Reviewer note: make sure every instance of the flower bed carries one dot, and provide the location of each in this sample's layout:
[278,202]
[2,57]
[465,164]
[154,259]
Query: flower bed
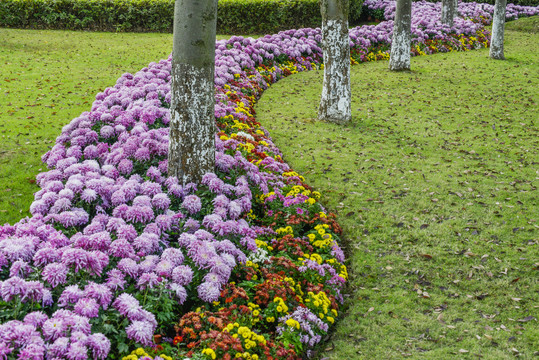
[119,258]
[385,9]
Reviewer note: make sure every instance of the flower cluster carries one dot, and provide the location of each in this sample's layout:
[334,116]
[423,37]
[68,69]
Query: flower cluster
[118,256]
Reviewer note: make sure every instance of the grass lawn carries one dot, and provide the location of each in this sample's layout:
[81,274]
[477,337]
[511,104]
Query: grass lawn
[434,181]
[435,184]
[46,79]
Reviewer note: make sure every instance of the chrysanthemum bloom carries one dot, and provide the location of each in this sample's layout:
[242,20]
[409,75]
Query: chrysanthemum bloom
[128,306]
[54,328]
[33,292]
[14,287]
[35,318]
[18,248]
[77,258]
[141,332]
[99,344]
[116,279]
[87,307]
[107,132]
[127,232]
[150,188]
[70,295]
[121,248]
[20,269]
[139,214]
[125,167]
[191,225]
[180,292]
[99,292]
[182,275]
[173,255]
[209,291]
[234,209]
[164,222]
[146,243]
[164,268]
[192,204]
[59,347]
[147,281]
[89,195]
[77,351]
[161,201]
[129,267]
[32,351]
[142,200]
[148,264]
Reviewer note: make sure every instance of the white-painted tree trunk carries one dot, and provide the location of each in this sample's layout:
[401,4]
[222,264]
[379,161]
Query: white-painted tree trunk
[449,11]
[402,38]
[336,99]
[498,28]
[192,126]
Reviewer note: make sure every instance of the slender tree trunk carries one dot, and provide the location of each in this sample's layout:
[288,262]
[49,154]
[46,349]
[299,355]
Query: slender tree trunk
[498,27]
[449,11]
[335,103]
[192,126]
[402,38]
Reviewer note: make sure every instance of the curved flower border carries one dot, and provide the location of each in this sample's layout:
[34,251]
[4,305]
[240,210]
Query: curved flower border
[246,265]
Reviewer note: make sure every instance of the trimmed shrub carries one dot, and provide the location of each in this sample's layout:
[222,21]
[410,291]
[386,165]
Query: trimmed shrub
[234,16]
[101,15]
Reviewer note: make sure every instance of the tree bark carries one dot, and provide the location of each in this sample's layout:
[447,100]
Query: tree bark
[336,99]
[449,11]
[402,38]
[498,28]
[192,126]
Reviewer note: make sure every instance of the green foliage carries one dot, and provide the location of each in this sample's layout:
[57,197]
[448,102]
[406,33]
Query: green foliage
[234,16]
[103,15]
[264,16]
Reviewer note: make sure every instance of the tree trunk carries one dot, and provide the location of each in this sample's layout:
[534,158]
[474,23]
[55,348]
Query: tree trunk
[192,126]
[335,103]
[498,27]
[402,38]
[449,11]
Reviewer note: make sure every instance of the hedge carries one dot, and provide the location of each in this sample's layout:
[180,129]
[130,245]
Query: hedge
[234,16]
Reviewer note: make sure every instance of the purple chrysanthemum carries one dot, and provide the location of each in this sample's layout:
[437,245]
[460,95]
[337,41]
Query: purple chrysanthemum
[147,281]
[209,291]
[100,345]
[192,204]
[141,332]
[128,306]
[182,275]
[87,307]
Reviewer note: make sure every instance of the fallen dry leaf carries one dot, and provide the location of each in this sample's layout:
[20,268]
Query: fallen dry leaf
[527,318]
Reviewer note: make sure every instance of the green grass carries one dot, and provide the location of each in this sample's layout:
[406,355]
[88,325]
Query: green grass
[435,185]
[47,78]
[530,25]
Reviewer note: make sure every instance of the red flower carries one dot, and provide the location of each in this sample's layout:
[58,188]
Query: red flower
[177,340]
